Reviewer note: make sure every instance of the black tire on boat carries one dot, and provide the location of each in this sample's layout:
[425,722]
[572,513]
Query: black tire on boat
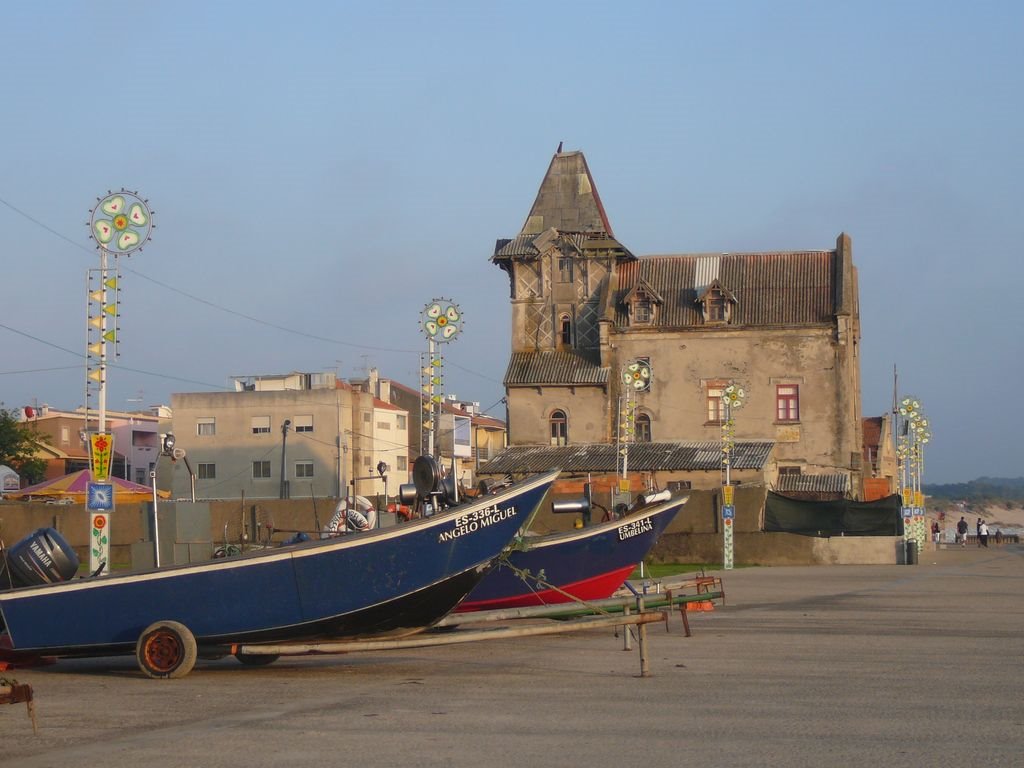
[257,659]
[166,650]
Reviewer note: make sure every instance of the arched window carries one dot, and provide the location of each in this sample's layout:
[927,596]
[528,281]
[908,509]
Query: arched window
[565,330]
[559,428]
[643,428]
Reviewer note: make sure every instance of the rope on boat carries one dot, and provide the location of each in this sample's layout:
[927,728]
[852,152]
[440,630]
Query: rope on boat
[539,579]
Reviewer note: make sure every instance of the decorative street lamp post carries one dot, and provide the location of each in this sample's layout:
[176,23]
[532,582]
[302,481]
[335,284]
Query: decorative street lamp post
[636,379]
[121,224]
[732,399]
[913,434]
[441,322]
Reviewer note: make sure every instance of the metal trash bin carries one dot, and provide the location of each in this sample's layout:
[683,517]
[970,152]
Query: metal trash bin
[911,553]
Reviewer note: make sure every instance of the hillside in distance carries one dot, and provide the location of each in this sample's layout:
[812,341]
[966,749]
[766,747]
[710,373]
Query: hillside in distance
[982,490]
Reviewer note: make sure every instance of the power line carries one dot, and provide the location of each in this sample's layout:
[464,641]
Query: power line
[214,305]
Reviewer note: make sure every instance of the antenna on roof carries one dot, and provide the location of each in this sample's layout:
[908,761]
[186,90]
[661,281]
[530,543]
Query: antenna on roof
[559,150]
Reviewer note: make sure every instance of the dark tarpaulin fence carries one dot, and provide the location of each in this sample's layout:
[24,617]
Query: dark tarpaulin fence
[833,518]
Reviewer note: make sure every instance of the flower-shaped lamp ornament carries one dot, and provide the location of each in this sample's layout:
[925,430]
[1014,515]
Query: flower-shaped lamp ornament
[637,375]
[121,223]
[441,320]
[909,407]
[732,396]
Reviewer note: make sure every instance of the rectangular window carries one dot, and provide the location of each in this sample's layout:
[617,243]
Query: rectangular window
[678,485]
[716,309]
[564,269]
[401,463]
[559,428]
[789,471]
[383,425]
[260,470]
[261,425]
[206,471]
[787,401]
[206,426]
[366,418]
[715,409]
[140,476]
[303,423]
[642,428]
[401,421]
[642,311]
[303,469]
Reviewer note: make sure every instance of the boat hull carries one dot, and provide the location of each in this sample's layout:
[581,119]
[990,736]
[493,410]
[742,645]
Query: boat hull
[393,580]
[588,564]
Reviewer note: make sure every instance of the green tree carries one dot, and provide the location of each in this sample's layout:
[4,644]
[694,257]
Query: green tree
[18,445]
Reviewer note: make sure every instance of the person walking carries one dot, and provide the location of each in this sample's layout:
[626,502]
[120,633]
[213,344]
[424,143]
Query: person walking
[935,531]
[961,532]
[983,534]
[977,533]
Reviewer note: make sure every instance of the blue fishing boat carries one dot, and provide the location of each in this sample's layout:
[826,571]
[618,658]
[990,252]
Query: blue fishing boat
[386,582]
[589,563]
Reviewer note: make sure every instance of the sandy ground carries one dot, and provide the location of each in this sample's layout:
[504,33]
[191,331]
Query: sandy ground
[803,667]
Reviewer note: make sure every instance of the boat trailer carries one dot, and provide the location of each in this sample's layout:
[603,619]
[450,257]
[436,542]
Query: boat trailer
[453,635]
[638,609]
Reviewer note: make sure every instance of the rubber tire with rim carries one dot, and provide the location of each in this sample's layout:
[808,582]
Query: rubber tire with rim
[166,650]
[256,659]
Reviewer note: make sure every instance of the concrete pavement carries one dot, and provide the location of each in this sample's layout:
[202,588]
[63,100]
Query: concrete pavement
[805,666]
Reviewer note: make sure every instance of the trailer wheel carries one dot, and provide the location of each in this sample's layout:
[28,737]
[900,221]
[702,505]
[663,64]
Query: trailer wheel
[166,650]
[256,659]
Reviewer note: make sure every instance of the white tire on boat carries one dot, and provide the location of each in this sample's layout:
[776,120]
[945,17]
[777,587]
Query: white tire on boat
[166,650]
[360,516]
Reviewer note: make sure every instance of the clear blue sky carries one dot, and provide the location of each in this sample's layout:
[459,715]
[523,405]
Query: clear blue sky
[328,168]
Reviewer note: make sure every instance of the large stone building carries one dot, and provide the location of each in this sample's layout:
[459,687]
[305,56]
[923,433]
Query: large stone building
[784,326]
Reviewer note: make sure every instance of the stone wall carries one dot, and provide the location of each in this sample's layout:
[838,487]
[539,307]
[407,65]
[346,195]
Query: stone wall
[129,522]
[694,536]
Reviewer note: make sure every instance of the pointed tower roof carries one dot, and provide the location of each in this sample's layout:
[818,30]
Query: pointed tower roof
[567,199]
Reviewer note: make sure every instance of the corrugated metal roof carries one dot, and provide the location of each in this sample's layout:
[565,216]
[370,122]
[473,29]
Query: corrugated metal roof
[525,245]
[770,288]
[555,367]
[643,457]
[813,483]
[521,245]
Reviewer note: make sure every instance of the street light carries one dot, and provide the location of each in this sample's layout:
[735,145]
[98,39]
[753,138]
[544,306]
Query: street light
[284,439]
[732,398]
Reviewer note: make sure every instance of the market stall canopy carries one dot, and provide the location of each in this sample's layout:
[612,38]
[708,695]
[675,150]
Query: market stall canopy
[76,486]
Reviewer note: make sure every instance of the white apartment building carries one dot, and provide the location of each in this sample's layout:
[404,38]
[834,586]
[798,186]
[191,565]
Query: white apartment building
[297,435]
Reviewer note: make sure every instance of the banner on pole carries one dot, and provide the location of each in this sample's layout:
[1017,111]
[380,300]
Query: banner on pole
[99,545]
[101,455]
[727,494]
